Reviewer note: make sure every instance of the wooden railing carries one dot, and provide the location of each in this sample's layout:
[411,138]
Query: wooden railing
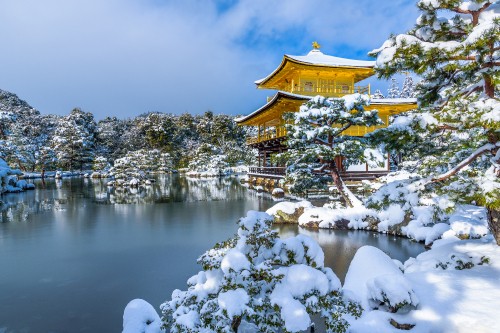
[277,171]
[346,175]
[330,90]
[277,132]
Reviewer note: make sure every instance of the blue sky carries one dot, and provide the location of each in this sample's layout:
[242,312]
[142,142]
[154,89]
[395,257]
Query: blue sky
[126,57]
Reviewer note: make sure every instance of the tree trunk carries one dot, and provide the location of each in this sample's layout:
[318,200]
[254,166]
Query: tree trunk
[345,193]
[494,223]
[489,86]
[236,324]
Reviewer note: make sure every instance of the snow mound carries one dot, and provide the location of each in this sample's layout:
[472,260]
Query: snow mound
[140,317]
[374,276]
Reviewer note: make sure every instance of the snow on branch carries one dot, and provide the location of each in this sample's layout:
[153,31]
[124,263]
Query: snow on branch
[489,147]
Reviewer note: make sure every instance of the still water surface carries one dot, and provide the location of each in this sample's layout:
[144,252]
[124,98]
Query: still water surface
[73,254]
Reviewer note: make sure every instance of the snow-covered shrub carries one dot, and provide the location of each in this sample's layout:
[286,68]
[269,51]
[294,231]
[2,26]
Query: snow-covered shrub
[24,185]
[408,198]
[100,164]
[137,163]
[393,291]
[8,178]
[259,280]
[208,161]
[451,255]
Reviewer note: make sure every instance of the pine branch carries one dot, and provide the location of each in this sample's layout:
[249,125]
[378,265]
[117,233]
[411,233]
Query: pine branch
[474,13]
[489,147]
[321,142]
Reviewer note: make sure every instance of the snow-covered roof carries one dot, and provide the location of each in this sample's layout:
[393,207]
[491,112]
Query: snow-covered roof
[271,102]
[281,94]
[394,101]
[317,58]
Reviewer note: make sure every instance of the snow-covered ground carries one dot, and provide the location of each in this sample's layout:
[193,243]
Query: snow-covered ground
[454,287]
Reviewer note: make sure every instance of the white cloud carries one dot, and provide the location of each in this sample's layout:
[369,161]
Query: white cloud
[125,57]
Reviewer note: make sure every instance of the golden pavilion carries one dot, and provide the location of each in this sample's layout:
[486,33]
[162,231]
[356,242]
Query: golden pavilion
[296,80]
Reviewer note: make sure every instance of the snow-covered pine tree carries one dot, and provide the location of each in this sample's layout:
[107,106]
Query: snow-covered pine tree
[408,90]
[31,135]
[109,138]
[377,94]
[261,283]
[315,140]
[455,48]
[393,91]
[74,140]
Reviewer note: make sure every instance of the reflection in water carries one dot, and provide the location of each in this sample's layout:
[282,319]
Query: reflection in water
[55,194]
[170,189]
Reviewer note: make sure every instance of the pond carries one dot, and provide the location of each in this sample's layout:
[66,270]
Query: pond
[73,253]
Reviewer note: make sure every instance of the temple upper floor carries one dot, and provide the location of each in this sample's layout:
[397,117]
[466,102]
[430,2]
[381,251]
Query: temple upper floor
[319,74]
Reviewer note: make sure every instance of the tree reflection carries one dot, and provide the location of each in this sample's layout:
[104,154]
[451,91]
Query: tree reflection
[60,194]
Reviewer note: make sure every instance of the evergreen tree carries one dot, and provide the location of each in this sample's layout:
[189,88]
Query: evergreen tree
[109,134]
[315,140]
[74,140]
[259,282]
[378,94]
[455,135]
[32,135]
[393,91]
[408,90]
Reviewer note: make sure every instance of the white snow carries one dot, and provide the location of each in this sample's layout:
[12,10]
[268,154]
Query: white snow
[368,263]
[394,214]
[456,287]
[140,317]
[325,217]
[469,220]
[288,207]
[277,191]
[316,57]
[234,260]
[233,301]
[298,281]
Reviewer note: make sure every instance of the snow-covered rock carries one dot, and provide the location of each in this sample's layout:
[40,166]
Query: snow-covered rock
[96,174]
[278,193]
[288,212]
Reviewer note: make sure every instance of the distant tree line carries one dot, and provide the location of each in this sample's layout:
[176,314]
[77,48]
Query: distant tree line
[32,141]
